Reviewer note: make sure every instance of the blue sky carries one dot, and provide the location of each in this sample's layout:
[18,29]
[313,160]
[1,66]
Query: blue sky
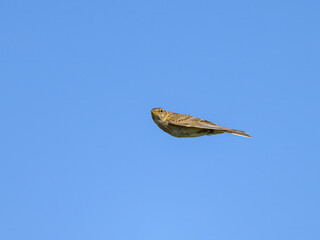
[81,157]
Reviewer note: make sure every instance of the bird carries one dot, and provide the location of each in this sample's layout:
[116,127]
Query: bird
[186,126]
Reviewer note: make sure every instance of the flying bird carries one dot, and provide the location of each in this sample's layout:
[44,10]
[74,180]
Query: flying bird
[183,126]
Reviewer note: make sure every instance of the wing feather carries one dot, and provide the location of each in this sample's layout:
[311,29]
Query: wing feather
[190,121]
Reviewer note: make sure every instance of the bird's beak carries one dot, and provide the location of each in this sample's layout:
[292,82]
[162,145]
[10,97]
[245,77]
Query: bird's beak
[154,112]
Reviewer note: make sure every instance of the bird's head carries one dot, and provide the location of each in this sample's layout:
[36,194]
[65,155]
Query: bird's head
[159,114]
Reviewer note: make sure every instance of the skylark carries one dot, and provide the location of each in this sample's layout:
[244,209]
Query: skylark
[182,125]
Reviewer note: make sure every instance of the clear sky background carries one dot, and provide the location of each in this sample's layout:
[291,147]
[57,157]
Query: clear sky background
[81,157]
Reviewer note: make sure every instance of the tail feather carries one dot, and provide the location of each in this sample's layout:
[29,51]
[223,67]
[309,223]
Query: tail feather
[236,132]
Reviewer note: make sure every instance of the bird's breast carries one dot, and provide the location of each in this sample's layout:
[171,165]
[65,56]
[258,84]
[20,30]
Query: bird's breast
[185,132]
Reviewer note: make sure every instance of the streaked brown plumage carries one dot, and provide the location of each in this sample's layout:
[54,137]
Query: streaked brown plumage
[182,125]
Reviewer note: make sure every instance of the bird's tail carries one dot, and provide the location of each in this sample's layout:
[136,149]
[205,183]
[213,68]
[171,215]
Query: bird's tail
[236,132]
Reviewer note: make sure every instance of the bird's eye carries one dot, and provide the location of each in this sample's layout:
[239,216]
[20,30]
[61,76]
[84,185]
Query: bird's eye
[161,110]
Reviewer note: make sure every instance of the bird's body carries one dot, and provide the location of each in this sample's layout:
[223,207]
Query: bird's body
[182,125]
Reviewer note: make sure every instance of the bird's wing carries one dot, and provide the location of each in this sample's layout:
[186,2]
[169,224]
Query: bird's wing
[190,121]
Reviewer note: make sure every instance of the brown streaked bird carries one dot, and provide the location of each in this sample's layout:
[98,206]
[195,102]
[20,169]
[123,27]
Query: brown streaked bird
[183,126]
